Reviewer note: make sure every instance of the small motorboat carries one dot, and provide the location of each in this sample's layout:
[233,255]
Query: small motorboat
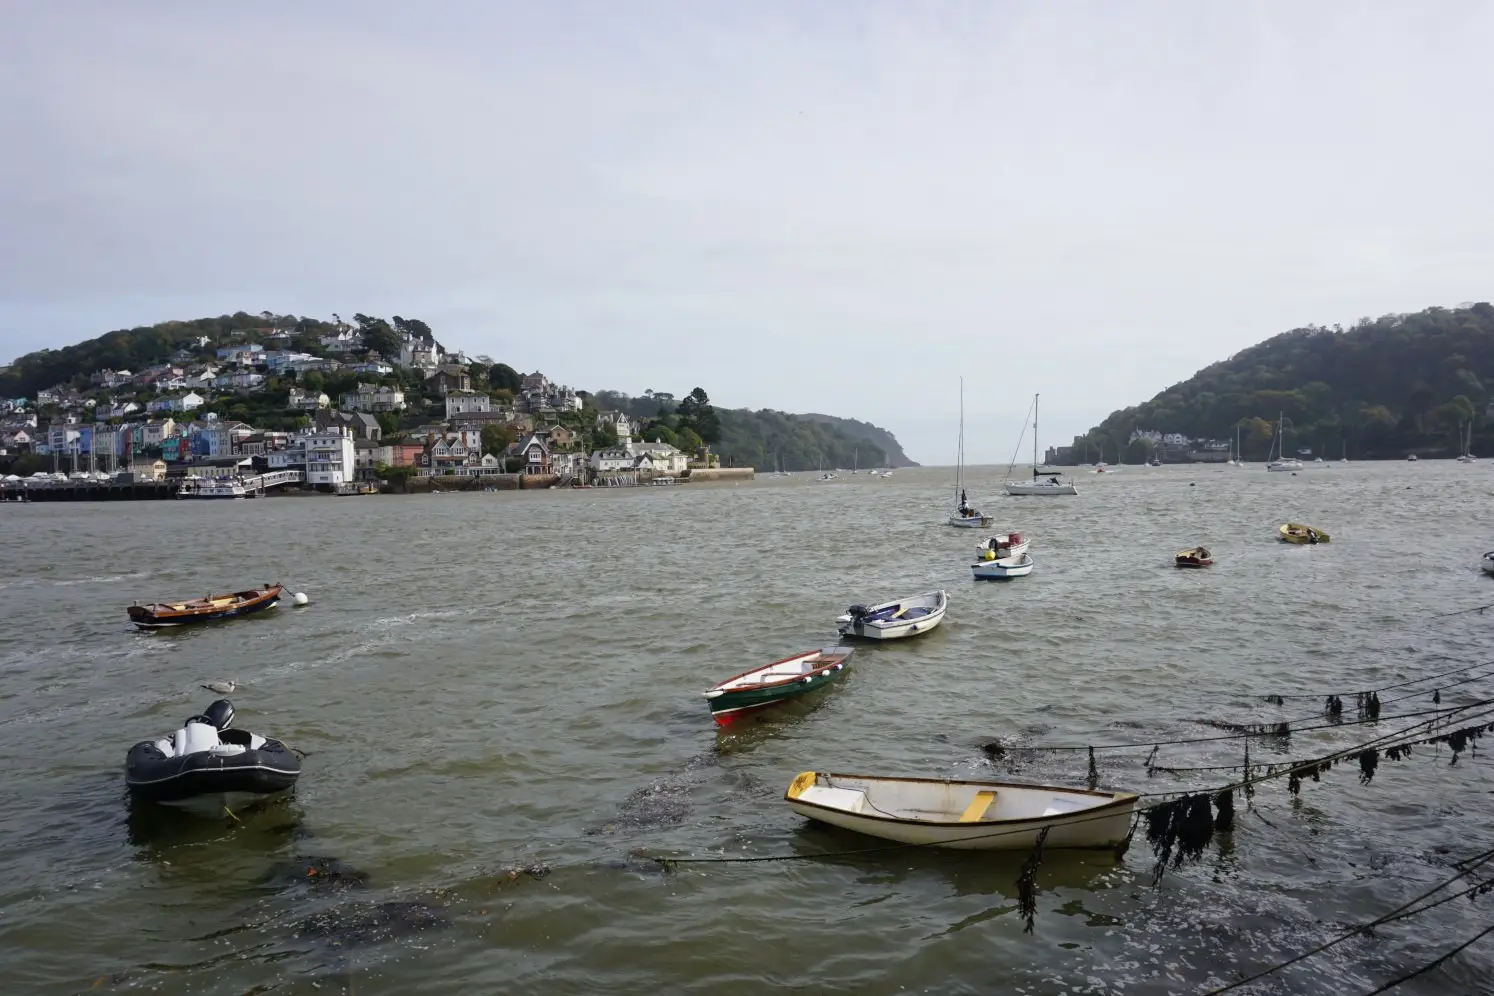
[1002,546]
[1296,532]
[773,683]
[1486,564]
[209,609]
[893,620]
[1002,570]
[1196,557]
[998,816]
[207,766]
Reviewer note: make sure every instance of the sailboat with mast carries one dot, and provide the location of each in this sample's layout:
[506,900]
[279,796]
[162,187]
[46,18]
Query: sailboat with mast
[964,516]
[1041,484]
[1467,455]
[1282,461]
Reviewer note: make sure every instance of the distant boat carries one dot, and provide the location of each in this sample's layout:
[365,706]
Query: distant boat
[1196,557]
[211,608]
[986,816]
[1278,446]
[964,515]
[895,620]
[1467,455]
[771,684]
[1054,485]
[1486,564]
[1002,570]
[1411,457]
[1296,532]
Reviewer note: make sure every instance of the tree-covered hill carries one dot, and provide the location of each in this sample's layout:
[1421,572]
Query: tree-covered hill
[1383,388]
[876,435]
[768,439]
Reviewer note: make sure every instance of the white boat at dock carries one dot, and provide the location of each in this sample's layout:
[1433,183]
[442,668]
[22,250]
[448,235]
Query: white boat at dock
[996,816]
[895,620]
[213,488]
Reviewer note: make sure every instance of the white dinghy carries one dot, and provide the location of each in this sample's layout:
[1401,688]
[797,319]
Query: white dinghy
[1001,570]
[894,620]
[996,816]
[1001,546]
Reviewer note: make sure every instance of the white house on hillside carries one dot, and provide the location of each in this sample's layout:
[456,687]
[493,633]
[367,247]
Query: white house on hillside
[466,402]
[307,401]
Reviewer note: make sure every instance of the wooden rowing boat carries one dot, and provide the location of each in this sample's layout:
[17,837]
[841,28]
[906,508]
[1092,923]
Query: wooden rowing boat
[773,683]
[1000,816]
[211,608]
[1296,532]
[1196,557]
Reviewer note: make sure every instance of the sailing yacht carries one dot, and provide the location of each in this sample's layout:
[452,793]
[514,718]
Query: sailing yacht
[1467,455]
[1282,461]
[964,516]
[1053,484]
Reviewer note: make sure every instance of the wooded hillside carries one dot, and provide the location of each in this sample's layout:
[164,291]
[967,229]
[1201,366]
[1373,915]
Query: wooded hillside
[1382,388]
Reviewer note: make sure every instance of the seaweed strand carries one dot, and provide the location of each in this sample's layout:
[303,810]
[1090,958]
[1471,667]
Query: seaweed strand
[1027,882]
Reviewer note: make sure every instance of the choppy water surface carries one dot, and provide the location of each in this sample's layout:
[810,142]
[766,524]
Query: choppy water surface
[499,694]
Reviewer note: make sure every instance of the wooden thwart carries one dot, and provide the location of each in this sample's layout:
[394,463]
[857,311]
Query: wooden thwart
[977,807]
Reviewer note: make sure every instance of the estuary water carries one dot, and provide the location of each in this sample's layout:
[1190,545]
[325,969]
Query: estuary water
[499,696]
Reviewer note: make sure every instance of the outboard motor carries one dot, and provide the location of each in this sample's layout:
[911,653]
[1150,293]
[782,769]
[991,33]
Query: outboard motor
[858,616]
[219,715]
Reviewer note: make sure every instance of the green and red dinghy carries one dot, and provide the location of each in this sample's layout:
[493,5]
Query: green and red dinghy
[773,683]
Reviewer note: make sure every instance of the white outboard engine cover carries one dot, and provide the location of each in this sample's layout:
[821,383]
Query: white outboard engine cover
[194,737]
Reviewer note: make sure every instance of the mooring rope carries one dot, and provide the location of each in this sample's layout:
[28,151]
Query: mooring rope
[1401,912]
[1159,797]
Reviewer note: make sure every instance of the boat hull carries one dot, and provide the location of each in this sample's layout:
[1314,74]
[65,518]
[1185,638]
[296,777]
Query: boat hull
[970,522]
[1041,490]
[733,700]
[1300,535]
[850,625]
[1103,823]
[205,779]
[1002,570]
[163,615]
[1487,563]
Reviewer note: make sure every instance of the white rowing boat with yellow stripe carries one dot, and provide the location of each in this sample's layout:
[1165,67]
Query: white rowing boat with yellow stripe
[997,816]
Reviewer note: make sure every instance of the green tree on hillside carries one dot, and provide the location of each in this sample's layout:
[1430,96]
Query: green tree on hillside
[501,376]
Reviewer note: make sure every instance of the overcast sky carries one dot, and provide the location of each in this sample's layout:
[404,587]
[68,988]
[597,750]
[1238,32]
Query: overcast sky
[838,207]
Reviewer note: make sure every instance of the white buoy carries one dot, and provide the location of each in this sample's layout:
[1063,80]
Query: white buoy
[300,598]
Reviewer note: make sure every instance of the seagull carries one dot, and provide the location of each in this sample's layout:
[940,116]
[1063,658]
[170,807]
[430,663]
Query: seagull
[221,687]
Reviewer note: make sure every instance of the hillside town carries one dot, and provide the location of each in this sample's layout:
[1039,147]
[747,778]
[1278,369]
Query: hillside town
[416,412]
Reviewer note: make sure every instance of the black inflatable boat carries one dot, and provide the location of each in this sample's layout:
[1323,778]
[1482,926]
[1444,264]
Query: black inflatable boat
[206,765]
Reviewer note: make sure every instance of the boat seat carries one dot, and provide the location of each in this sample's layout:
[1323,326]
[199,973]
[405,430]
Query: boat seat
[977,809]
[846,800]
[1057,806]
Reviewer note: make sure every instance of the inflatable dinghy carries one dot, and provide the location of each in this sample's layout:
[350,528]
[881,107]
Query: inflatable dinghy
[206,765]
